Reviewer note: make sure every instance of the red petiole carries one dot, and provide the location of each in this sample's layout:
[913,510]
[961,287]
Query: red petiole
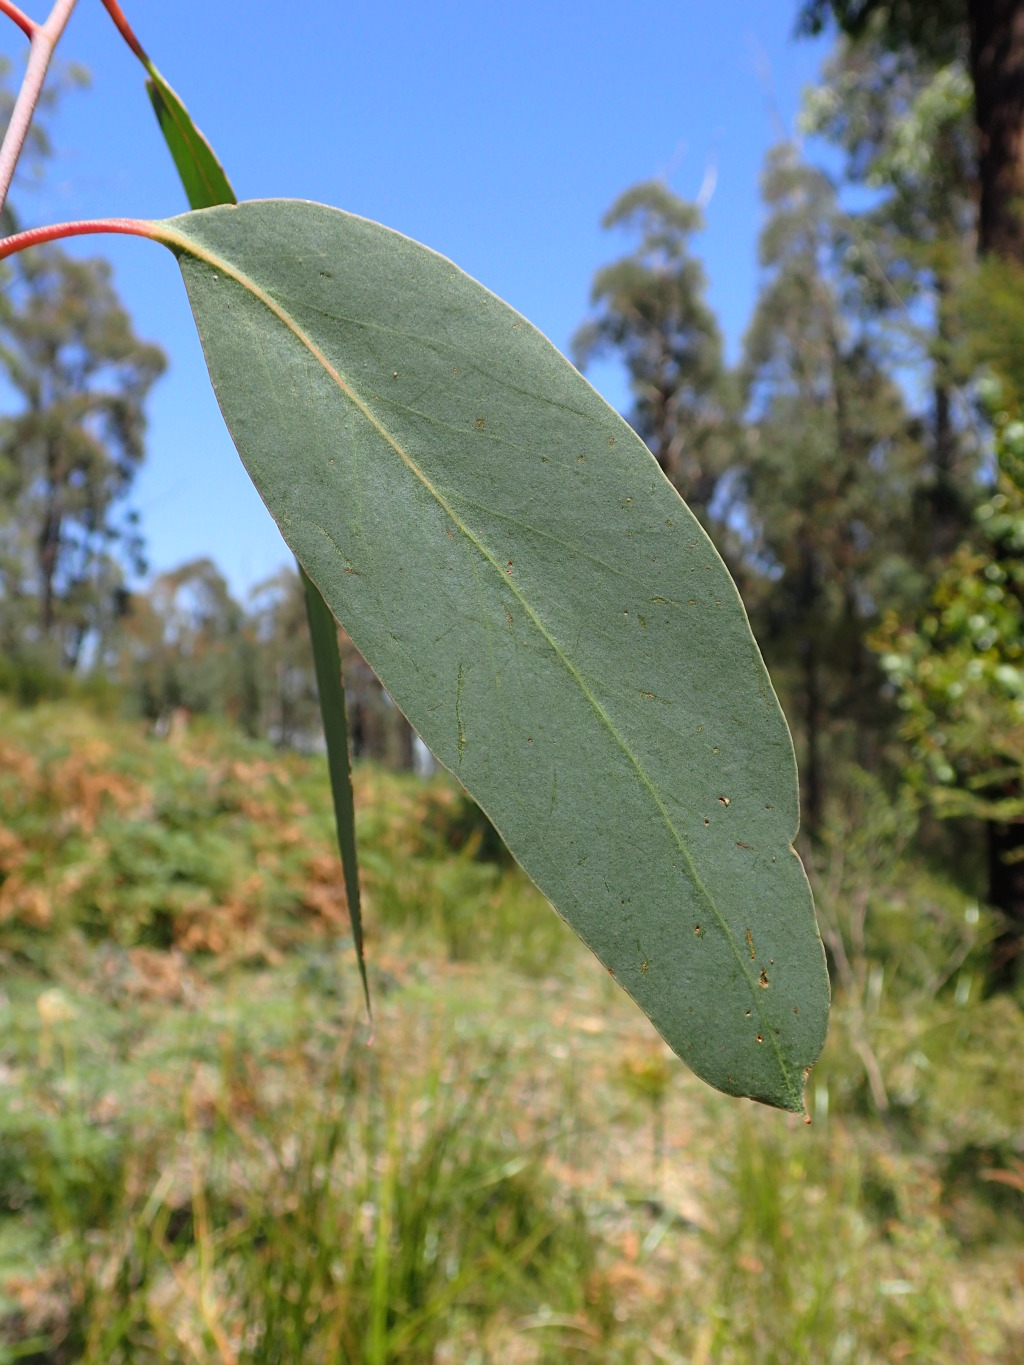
[58,232]
[28,26]
[125,29]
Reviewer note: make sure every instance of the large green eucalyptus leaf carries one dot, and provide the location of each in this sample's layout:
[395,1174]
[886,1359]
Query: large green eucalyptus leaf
[206,185]
[534,595]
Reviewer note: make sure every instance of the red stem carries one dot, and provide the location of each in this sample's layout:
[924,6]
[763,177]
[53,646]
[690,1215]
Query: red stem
[57,232]
[45,38]
[125,30]
[28,26]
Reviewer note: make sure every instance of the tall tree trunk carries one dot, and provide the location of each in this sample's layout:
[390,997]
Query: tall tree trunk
[49,548]
[948,515]
[997,72]
[812,786]
[48,545]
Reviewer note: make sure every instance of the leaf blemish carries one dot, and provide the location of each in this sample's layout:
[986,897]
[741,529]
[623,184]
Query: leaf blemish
[480,423]
[750,945]
[763,979]
[724,800]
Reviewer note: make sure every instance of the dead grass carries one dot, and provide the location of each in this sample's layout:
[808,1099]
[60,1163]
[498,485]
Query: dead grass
[203,1159]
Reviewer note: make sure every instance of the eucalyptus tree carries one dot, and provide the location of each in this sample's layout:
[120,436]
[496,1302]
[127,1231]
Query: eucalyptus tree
[829,475]
[70,452]
[186,643]
[955,663]
[905,128]
[649,310]
[987,36]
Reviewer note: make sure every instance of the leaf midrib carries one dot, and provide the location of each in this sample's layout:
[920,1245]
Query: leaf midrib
[177,241]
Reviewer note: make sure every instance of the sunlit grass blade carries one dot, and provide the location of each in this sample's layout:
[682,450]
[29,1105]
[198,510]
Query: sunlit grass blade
[330,683]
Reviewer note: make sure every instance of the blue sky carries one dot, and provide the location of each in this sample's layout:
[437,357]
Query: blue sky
[495,133]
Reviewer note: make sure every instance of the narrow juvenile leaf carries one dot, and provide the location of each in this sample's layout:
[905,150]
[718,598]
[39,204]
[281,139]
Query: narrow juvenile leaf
[324,633]
[509,558]
[201,173]
[206,186]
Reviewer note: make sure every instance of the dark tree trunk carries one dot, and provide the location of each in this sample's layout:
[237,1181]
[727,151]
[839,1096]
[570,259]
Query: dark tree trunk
[946,513]
[997,72]
[404,737]
[1006,892]
[812,788]
[48,545]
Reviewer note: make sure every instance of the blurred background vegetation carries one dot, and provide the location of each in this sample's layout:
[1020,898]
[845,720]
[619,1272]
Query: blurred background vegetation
[200,1157]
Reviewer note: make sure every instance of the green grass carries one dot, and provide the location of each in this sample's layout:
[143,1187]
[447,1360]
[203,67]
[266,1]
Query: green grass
[203,1158]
